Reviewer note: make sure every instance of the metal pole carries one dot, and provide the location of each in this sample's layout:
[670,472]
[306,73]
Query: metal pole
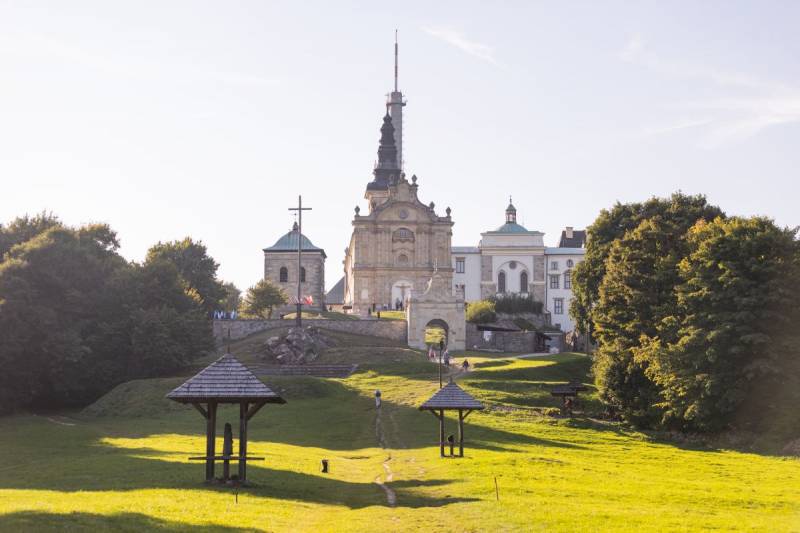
[299,319]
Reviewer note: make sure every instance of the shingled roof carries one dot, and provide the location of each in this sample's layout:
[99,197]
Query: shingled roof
[224,380]
[451,396]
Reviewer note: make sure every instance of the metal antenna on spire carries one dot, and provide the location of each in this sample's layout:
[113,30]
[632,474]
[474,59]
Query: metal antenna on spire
[395,60]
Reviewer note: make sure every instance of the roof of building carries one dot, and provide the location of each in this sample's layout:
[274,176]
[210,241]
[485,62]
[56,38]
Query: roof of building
[288,243]
[465,249]
[578,239]
[565,251]
[451,396]
[224,380]
[511,227]
[335,296]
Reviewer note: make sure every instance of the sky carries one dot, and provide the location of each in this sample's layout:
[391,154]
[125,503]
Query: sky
[171,118]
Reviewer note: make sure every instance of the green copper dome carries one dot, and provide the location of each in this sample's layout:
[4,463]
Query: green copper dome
[288,243]
[511,227]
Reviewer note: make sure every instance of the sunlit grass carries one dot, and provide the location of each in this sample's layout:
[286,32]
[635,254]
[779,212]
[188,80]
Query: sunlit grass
[126,472]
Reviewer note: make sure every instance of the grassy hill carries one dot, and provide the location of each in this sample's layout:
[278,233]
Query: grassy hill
[121,464]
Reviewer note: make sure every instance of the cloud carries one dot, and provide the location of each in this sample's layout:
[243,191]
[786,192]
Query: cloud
[456,38]
[747,105]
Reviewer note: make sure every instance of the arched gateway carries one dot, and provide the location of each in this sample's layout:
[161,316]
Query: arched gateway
[437,306]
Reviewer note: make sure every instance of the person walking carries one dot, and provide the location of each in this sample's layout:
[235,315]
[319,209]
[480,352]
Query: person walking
[465,366]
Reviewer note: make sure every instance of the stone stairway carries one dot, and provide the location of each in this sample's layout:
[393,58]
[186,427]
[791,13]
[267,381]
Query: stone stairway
[320,371]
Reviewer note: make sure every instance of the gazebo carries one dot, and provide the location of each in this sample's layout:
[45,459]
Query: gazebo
[226,380]
[451,397]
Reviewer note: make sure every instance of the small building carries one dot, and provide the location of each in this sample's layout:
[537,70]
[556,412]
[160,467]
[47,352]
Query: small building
[280,267]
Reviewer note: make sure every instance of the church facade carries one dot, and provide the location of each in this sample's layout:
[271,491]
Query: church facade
[396,246]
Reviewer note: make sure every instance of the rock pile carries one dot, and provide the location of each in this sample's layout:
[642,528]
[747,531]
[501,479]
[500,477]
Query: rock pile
[298,346]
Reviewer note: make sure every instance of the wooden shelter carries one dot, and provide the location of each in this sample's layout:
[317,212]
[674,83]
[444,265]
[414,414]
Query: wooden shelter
[226,380]
[451,397]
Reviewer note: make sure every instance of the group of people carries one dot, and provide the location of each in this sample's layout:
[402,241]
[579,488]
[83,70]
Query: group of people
[445,357]
[224,315]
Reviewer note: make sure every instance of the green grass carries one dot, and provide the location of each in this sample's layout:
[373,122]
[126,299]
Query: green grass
[122,463]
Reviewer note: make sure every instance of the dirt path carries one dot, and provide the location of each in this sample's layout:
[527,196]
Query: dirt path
[388,475]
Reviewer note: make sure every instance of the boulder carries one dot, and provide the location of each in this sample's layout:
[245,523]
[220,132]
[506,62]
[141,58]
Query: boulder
[298,346]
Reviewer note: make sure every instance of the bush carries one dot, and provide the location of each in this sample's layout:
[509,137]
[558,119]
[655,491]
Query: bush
[481,312]
[517,303]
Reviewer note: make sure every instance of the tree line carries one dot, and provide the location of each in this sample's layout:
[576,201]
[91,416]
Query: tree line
[694,313]
[76,318]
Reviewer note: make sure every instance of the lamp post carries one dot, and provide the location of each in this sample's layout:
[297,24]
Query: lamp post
[441,350]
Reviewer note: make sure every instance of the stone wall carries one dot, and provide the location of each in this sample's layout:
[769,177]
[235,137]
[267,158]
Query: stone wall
[504,341]
[389,329]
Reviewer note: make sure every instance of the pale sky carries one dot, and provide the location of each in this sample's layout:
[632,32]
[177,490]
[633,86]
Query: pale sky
[174,118]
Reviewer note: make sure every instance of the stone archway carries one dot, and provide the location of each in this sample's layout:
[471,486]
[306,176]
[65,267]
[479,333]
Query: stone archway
[436,330]
[437,305]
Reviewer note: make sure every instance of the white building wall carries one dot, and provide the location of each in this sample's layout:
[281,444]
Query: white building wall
[471,277]
[560,256]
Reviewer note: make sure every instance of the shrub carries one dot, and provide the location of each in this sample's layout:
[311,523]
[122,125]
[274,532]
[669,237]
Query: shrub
[517,303]
[481,312]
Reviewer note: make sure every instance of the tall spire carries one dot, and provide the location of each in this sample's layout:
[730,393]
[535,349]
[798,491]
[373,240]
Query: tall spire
[395,104]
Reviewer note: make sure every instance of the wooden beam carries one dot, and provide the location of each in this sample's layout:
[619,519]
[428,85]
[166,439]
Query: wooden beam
[467,414]
[461,433]
[211,435]
[254,409]
[441,432]
[200,409]
[434,413]
[243,442]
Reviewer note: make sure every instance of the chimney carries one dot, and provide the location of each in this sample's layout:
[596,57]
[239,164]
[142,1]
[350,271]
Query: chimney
[569,232]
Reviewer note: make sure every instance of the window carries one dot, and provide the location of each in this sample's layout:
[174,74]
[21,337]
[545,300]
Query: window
[284,275]
[554,265]
[459,265]
[403,234]
[501,282]
[554,281]
[402,259]
[558,306]
[568,279]
[570,263]
[523,282]
[302,274]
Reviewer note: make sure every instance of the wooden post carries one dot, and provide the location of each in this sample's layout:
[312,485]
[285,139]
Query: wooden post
[460,433]
[441,432]
[211,435]
[242,442]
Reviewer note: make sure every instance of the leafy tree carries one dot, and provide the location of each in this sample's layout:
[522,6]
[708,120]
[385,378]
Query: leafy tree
[610,226]
[195,266]
[25,228]
[736,318]
[635,280]
[516,303]
[481,312]
[262,298]
[232,299]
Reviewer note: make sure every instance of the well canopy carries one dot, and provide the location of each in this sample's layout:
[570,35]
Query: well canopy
[226,380]
[451,396]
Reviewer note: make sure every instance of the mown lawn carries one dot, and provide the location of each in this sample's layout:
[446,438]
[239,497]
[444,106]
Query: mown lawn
[122,465]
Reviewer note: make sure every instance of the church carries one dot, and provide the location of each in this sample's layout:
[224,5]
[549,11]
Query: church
[398,244]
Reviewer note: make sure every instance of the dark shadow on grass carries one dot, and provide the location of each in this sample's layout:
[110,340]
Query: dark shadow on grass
[42,521]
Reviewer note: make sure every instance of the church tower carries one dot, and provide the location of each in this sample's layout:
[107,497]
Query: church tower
[397,246]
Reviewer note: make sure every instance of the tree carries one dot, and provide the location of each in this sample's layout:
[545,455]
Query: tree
[232,299]
[625,291]
[24,228]
[262,298]
[736,318]
[195,266]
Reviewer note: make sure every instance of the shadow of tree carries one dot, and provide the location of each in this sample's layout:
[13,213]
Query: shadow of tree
[41,521]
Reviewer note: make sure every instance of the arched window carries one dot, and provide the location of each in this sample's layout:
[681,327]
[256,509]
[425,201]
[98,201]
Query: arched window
[284,275]
[302,274]
[570,264]
[402,259]
[403,234]
[568,279]
[501,282]
[523,282]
